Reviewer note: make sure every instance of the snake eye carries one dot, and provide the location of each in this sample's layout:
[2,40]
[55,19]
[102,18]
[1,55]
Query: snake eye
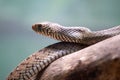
[37,27]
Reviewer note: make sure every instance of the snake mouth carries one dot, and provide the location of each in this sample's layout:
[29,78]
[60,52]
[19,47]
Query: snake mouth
[34,27]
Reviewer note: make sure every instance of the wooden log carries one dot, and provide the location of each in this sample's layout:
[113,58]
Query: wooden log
[100,61]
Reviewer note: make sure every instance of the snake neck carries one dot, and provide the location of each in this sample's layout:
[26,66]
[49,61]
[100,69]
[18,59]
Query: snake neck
[108,32]
[86,36]
[98,36]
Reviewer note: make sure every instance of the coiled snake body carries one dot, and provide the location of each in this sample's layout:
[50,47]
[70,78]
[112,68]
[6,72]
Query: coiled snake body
[72,38]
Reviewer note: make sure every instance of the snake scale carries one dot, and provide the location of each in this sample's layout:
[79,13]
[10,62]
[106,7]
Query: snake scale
[72,39]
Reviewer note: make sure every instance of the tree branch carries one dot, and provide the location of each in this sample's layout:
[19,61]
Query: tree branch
[97,62]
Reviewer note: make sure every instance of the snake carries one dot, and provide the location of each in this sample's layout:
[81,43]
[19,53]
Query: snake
[72,39]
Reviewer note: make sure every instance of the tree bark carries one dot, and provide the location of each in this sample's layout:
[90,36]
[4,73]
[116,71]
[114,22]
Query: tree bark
[100,61]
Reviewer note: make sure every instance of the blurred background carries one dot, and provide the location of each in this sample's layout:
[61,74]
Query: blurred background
[18,40]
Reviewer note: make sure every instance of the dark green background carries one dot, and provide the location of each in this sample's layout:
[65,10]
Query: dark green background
[17,40]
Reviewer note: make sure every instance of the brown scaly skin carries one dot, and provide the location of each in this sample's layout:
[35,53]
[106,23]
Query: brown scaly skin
[27,69]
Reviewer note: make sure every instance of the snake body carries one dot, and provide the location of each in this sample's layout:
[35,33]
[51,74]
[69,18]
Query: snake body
[30,67]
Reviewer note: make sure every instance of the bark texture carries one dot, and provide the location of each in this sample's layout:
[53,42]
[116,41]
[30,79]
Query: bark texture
[100,61]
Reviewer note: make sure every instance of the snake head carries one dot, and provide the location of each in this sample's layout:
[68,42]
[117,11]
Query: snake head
[46,28]
[56,31]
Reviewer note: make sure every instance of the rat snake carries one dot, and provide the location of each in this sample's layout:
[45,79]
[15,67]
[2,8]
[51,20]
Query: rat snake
[73,39]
